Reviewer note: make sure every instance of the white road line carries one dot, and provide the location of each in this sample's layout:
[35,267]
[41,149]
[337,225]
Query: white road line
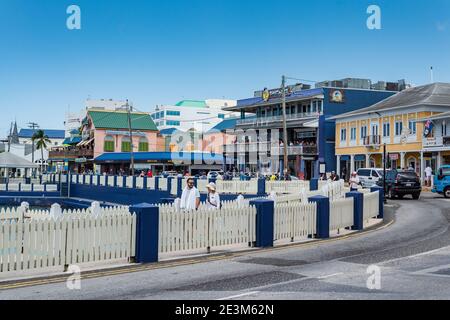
[330,276]
[417,255]
[239,296]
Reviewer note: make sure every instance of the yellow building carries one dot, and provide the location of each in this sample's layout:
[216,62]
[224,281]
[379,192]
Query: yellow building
[397,122]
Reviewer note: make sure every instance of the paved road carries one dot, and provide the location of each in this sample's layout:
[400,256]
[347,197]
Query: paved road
[413,256]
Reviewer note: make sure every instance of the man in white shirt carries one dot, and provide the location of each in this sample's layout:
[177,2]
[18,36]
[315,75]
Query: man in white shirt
[428,175]
[190,199]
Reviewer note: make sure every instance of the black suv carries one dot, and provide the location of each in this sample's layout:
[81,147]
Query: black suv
[400,183]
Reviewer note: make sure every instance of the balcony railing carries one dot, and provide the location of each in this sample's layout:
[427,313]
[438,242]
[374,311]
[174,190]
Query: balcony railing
[262,121]
[372,141]
[71,153]
[273,148]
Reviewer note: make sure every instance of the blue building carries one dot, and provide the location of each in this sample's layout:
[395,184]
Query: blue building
[310,133]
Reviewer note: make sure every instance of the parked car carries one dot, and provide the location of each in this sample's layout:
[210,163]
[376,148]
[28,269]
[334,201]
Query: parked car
[368,177]
[442,181]
[400,183]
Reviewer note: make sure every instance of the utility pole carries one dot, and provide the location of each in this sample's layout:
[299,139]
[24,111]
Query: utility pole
[33,126]
[10,137]
[130,130]
[285,149]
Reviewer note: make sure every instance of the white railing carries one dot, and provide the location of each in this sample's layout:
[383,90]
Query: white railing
[163,184]
[237,186]
[120,180]
[103,180]
[205,229]
[286,186]
[341,214]
[371,205]
[70,239]
[140,183]
[174,187]
[151,183]
[294,220]
[129,182]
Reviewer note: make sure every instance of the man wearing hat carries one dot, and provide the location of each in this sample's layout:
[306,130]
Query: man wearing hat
[213,198]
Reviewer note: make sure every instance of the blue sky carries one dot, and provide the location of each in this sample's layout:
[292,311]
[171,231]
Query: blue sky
[159,52]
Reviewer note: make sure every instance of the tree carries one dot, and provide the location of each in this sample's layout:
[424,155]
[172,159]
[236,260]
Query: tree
[41,140]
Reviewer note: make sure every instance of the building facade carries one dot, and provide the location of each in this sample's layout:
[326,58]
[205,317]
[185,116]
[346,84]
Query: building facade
[436,140]
[397,122]
[310,135]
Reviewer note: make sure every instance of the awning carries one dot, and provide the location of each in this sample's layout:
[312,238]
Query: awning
[360,158]
[85,142]
[162,157]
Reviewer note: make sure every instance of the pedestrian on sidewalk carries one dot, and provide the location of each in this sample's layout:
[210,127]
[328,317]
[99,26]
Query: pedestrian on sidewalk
[354,182]
[213,197]
[190,198]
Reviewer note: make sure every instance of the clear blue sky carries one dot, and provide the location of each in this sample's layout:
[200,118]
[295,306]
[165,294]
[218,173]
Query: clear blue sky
[159,52]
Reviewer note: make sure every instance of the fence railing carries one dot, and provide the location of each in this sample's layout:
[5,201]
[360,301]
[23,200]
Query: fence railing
[294,220]
[205,228]
[28,187]
[371,206]
[341,214]
[74,237]
[286,186]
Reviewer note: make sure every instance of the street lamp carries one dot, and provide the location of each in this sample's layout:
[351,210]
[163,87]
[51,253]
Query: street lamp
[384,160]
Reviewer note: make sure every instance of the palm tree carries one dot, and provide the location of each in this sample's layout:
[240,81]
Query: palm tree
[41,140]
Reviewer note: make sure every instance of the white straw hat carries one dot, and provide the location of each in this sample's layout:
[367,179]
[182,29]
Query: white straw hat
[211,186]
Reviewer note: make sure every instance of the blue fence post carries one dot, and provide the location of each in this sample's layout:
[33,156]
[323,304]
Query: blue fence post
[20,186]
[179,187]
[7,185]
[145,183]
[45,187]
[381,200]
[147,232]
[98,180]
[169,183]
[314,184]
[323,216]
[156,183]
[264,222]
[134,182]
[40,179]
[124,181]
[261,186]
[115,181]
[32,187]
[358,209]
[196,182]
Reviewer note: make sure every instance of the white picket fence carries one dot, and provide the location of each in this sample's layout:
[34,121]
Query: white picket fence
[286,186]
[71,239]
[28,187]
[295,220]
[204,228]
[163,184]
[341,214]
[371,205]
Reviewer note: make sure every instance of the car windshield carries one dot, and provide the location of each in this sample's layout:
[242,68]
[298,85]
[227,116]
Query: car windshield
[408,173]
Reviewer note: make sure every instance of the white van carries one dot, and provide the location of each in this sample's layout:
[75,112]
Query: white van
[368,177]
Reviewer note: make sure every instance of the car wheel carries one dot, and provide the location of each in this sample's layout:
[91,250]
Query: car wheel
[447,192]
[416,196]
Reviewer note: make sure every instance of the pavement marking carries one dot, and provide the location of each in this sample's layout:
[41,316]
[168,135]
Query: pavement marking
[239,296]
[144,268]
[417,255]
[330,276]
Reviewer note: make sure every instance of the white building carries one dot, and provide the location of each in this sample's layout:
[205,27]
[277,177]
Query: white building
[200,115]
[104,104]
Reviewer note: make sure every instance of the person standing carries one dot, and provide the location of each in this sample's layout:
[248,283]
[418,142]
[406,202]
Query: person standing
[190,198]
[428,176]
[213,198]
[354,182]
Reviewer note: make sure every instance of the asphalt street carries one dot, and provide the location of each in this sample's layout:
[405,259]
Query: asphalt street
[413,257]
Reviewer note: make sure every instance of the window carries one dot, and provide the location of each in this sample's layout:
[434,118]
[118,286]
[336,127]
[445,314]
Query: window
[444,128]
[161,114]
[173,123]
[363,132]
[398,128]
[374,129]
[353,134]
[174,113]
[109,144]
[386,129]
[343,134]
[221,116]
[412,127]
[143,144]
[126,144]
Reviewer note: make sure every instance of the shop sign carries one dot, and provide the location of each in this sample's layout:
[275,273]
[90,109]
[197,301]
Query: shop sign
[394,156]
[81,160]
[429,142]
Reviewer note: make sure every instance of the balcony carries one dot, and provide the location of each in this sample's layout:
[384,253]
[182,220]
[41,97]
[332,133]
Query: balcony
[266,121]
[372,141]
[71,153]
[273,148]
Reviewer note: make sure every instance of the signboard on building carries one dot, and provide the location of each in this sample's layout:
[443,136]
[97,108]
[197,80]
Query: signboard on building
[80,160]
[337,96]
[394,156]
[429,142]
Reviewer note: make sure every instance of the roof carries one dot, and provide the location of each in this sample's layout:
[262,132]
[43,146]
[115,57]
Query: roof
[52,134]
[192,103]
[437,94]
[9,160]
[161,156]
[224,125]
[119,120]
[259,101]
[169,131]
[72,141]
